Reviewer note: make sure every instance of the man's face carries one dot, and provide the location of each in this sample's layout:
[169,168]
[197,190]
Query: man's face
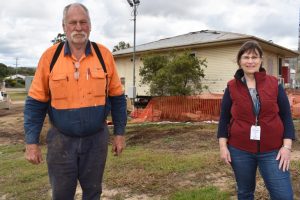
[77,25]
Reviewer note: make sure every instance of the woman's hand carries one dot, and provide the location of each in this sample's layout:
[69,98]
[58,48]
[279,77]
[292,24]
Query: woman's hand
[225,155]
[224,152]
[284,157]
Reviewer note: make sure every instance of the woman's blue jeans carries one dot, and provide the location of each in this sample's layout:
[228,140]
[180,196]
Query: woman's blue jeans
[244,165]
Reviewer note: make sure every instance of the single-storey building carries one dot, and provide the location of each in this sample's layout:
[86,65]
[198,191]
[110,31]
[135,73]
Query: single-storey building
[217,47]
[16,76]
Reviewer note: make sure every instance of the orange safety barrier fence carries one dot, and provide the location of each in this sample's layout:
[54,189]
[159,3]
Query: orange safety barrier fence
[294,99]
[195,108]
[180,108]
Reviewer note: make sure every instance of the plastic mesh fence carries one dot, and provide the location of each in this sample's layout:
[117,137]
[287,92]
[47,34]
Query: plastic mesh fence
[195,108]
[180,108]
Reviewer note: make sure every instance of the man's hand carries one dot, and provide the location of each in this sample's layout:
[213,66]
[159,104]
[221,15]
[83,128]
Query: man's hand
[118,144]
[33,154]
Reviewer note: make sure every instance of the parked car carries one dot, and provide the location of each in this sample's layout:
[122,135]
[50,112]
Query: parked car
[4,100]
[1,96]
[141,101]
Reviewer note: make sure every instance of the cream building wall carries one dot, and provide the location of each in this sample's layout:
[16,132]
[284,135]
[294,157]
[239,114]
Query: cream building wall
[221,66]
[270,63]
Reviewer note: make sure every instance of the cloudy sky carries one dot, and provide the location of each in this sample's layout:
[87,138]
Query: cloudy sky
[28,26]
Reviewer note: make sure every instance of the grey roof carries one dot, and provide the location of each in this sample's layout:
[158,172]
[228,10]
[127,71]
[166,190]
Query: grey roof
[203,36]
[193,38]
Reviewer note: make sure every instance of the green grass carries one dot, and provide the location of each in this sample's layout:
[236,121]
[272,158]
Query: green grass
[153,171]
[17,96]
[206,193]
[20,179]
[161,162]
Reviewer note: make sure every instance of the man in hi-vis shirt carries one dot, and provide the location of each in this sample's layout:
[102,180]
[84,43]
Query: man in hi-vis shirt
[78,92]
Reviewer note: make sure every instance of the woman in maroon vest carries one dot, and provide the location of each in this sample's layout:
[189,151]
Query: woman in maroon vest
[256,129]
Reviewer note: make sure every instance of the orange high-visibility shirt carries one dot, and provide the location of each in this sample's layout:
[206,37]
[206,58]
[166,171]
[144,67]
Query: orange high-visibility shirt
[67,92]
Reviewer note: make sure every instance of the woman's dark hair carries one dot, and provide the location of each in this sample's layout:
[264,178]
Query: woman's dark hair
[250,46]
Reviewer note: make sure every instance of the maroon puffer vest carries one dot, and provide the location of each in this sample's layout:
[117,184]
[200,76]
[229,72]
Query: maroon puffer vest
[243,116]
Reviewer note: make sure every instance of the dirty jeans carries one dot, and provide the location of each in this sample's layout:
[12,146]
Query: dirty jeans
[76,158]
[245,164]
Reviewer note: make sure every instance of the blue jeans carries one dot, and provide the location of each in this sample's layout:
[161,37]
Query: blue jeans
[76,158]
[244,165]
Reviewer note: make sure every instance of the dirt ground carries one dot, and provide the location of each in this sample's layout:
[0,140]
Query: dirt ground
[12,132]
[11,124]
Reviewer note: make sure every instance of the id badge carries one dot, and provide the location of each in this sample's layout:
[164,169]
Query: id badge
[255,133]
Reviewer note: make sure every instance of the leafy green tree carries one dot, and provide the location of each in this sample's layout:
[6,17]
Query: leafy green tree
[26,71]
[121,45]
[11,71]
[61,37]
[173,75]
[10,83]
[153,73]
[185,73]
[3,71]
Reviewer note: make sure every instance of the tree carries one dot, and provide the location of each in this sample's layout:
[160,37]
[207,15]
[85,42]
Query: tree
[153,73]
[173,75]
[61,37]
[3,71]
[121,45]
[26,71]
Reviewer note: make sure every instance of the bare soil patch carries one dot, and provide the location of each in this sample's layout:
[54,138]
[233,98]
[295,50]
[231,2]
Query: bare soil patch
[11,125]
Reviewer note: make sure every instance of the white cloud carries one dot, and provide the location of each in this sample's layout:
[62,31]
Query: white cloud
[27,27]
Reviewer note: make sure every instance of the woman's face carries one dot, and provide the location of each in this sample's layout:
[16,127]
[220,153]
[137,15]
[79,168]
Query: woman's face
[250,62]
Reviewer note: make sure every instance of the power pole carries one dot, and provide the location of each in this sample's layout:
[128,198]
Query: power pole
[299,32]
[17,65]
[133,4]
[297,76]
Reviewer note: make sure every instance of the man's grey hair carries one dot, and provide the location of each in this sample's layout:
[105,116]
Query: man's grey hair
[66,9]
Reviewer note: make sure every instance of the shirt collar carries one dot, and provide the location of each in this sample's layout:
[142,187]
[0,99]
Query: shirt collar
[88,49]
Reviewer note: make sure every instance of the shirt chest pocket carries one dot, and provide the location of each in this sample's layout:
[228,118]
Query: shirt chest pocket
[98,81]
[58,86]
